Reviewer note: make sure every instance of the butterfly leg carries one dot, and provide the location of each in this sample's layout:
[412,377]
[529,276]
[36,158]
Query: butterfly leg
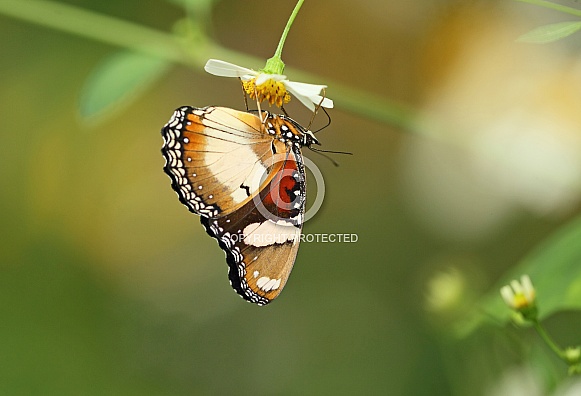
[262,120]
[317,110]
[244,93]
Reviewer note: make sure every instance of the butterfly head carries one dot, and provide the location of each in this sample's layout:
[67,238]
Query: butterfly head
[309,138]
[289,131]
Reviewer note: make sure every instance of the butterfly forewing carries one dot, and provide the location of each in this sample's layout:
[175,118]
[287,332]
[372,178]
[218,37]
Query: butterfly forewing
[214,157]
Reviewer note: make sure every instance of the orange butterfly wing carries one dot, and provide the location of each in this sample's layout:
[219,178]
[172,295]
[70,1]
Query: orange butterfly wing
[247,186]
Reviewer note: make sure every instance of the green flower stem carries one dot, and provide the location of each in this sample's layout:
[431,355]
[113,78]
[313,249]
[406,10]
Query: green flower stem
[278,52]
[275,65]
[94,26]
[129,35]
[553,6]
[545,336]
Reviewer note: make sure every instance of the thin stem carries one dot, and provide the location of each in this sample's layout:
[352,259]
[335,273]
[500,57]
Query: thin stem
[545,336]
[553,6]
[129,35]
[278,52]
[95,26]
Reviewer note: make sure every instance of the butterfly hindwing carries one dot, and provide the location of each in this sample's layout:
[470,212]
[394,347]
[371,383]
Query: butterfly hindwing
[262,238]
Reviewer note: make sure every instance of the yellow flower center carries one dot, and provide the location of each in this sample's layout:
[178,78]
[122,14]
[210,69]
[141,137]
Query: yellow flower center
[521,301]
[271,90]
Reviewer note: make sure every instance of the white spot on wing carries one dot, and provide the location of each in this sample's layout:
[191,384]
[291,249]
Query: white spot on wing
[233,163]
[266,284]
[270,232]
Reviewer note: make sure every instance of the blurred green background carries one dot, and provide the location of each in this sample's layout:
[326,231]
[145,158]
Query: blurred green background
[108,286]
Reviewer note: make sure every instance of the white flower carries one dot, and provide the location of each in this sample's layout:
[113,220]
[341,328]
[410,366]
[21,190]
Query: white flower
[446,291]
[274,88]
[519,295]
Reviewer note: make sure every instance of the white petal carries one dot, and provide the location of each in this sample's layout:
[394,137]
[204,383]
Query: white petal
[529,290]
[516,286]
[302,98]
[526,282]
[264,77]
[308,94]
[507,295]
[225,69]
[328,103]
[304,88]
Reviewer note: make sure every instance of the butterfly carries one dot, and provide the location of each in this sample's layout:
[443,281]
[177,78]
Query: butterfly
[244,174]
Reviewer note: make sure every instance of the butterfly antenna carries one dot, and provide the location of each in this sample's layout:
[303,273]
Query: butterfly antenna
[328,121]
[244,93]
[323,153]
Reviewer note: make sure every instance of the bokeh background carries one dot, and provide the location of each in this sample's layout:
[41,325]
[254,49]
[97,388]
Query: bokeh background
[109,286]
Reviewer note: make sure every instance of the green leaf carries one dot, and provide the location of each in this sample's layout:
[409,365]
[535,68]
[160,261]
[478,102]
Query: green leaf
[555,270]
[118,81]
[550,33]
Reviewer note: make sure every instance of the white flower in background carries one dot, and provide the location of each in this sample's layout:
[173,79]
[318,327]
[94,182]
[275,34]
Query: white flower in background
[569,387]
[518,381]
[519,295]
[508,115]
[274,88]
[446,291]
